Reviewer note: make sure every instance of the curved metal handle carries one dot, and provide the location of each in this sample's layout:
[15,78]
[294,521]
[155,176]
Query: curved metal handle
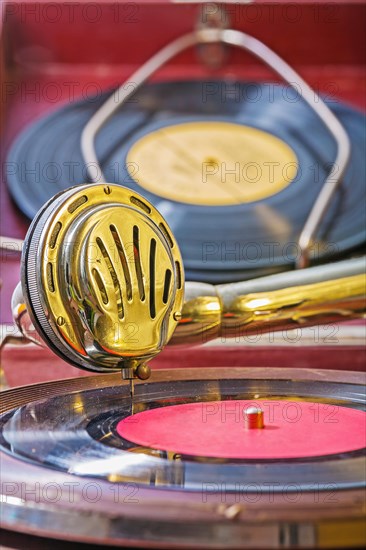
[274,61]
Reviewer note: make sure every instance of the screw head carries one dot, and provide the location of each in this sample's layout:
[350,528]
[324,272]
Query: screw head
[107,190]
[143,372]
[177,316]
[60,321]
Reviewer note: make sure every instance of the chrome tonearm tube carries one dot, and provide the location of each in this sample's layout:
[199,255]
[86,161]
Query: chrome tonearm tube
[102,285]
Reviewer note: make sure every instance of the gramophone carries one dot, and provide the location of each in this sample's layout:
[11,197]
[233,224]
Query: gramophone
[102,285]
[202,457]
[222,450]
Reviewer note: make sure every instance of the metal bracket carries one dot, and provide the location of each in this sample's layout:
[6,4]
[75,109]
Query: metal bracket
[211,17]
[209,36]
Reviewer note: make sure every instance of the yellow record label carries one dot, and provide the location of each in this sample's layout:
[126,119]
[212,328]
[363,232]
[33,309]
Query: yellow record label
[212,163]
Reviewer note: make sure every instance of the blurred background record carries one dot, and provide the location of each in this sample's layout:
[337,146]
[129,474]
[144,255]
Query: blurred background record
[234,174]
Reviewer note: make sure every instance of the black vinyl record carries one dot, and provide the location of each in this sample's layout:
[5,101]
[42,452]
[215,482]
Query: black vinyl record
[218,242]
[75,432]
[67,474]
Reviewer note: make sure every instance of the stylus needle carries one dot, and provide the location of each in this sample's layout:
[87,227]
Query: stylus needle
[132,393]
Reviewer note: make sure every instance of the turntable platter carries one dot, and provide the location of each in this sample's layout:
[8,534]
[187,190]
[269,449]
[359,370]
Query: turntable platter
[92,432]
[63,435]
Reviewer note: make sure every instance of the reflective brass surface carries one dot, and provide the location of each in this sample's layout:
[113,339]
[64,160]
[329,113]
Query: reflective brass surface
[227,315]
[201,315]
[300,306]
[108,283]
[103,282]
